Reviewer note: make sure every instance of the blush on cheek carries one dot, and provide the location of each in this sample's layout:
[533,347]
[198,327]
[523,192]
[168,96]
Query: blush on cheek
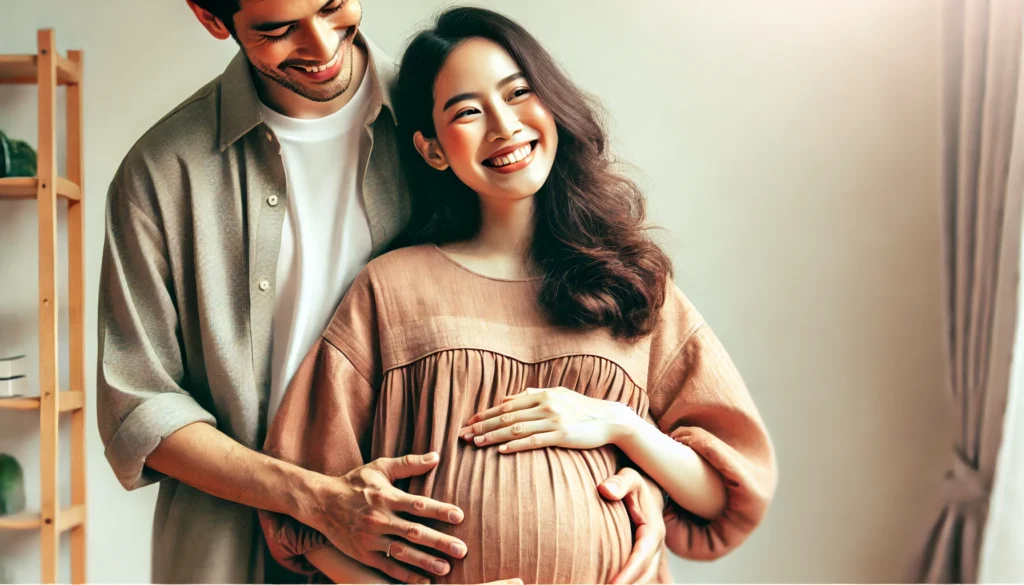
[460,146]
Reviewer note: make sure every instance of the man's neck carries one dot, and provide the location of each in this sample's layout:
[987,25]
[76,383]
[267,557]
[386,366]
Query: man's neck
[288,103]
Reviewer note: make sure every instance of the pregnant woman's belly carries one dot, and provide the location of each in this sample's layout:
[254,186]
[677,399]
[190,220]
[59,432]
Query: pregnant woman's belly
[535,515]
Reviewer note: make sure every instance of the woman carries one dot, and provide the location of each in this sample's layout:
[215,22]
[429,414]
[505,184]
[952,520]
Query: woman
[525,333]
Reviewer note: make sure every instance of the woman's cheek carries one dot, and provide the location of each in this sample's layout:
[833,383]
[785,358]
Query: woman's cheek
[460,146]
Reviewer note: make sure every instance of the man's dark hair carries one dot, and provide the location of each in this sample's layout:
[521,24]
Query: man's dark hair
[223,9]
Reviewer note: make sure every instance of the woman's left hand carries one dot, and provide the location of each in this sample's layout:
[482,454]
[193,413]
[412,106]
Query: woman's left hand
[549,417]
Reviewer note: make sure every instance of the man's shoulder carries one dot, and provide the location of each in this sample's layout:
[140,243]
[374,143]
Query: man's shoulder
[190,126]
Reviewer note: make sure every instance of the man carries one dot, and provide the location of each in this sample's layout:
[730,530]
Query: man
[234,226]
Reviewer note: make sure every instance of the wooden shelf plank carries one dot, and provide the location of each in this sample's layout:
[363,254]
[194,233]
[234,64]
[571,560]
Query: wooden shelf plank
[69,518]
[23,69]
[67,402]
[26,188]
[22,521]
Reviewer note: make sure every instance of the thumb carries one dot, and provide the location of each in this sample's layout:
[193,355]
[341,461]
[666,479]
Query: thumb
[617,486]
[407,466]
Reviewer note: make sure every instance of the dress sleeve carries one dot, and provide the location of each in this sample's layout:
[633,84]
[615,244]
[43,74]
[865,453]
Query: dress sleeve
[325,420]
[700,400]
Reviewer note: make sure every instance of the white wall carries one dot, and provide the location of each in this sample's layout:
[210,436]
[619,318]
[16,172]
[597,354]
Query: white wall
[790,148]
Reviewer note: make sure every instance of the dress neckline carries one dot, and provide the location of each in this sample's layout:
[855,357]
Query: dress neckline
[449,258]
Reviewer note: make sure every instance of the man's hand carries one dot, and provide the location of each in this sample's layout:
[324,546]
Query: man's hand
[359,514]
[645,508]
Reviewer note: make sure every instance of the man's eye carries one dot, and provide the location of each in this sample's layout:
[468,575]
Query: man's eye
[335,8]
[274,38]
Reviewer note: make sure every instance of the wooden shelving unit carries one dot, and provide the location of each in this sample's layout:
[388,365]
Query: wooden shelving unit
[49,70]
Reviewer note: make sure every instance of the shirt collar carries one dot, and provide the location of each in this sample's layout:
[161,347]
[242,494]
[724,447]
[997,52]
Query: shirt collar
[240,106]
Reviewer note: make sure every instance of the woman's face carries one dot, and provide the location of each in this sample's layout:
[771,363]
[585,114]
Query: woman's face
[492,129]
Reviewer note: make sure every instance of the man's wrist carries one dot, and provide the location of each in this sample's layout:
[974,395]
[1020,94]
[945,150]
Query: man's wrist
[305,493]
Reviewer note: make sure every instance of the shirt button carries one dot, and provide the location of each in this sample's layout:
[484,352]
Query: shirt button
[264,284]
[270,137]
[272,201]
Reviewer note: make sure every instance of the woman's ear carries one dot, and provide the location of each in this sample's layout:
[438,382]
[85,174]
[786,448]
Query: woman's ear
[430,150]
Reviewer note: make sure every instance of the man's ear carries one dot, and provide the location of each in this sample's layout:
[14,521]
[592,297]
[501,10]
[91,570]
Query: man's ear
[430,150]
[212,23]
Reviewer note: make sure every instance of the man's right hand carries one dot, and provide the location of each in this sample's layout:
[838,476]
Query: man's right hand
[359,514]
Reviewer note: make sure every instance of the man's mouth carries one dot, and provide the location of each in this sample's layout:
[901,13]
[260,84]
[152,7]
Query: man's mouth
[510,158]
[319,68]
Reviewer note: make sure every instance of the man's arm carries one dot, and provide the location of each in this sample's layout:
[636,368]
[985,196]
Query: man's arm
[210,461]
[148,420]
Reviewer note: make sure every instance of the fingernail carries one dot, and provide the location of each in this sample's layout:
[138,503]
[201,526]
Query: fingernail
[479,440]
[440,567]
[470,436]
[503,448]
[430,458]
[458,550]
[455,516]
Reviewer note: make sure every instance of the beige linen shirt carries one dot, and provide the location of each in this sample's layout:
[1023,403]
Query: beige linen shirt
[193,229]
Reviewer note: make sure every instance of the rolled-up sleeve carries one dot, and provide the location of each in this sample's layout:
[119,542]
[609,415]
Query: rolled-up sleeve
[699,399]
[140,396]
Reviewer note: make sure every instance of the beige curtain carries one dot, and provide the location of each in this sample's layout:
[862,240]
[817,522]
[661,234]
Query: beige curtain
[981,67]
[1002,554]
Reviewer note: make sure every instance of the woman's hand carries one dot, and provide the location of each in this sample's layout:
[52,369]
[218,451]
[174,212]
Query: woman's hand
[550,417]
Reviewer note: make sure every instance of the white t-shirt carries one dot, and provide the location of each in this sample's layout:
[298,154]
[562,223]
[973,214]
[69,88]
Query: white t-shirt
[325,240]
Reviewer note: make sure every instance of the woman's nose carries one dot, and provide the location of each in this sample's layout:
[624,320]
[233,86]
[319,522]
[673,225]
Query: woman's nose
[505,124]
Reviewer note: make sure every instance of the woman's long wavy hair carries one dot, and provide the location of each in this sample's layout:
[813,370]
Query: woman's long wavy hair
[600,267]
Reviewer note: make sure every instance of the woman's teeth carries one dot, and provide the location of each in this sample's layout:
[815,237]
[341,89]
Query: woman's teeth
[513,157]
[320,68]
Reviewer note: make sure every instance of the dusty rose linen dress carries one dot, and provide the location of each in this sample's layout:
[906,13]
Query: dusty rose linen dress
[420,343]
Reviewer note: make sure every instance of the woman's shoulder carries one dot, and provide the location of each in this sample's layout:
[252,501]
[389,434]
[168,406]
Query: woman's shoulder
[403,264]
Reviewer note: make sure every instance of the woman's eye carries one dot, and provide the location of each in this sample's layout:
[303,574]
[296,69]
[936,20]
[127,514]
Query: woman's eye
[464,113]
[520,92]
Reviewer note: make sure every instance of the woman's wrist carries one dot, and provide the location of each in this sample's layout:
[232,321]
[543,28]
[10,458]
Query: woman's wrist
[624,426]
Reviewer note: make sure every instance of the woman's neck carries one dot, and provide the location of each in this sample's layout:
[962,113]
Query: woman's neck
[502,246]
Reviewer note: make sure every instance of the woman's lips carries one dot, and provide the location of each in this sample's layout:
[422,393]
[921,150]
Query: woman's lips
[514,161]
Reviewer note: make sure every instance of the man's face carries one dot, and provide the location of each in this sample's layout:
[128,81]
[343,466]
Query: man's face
[302,45]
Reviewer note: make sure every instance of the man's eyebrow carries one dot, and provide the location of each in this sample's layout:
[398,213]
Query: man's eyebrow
[468,96]
[269,26]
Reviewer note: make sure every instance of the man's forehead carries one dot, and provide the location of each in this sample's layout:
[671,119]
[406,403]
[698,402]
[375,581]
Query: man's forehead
[279,8]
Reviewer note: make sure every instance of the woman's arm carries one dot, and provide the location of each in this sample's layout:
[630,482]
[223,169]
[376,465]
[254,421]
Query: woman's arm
[685,476]
[341,569]
[559,417]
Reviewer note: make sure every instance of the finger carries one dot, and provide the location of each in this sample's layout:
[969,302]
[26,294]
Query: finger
[645,550]
[621,484]
[517,402]
[519,430]
[634,505]
[516,581]
[505,420]
[538,441]
[413,556]
[425,507]
[428,537]
[651,572]
[394,569]
[402,467]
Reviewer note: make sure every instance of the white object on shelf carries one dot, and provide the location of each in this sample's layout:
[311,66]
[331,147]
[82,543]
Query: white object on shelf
[12,367]
[14,387]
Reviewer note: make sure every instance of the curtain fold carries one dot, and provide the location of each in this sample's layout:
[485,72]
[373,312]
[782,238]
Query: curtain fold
[981,69]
